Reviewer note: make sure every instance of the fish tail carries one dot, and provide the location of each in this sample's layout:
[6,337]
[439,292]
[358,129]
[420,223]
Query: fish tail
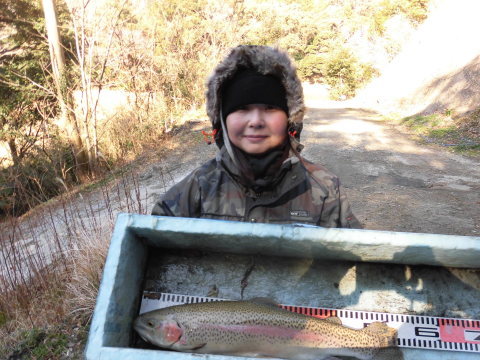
[386,334]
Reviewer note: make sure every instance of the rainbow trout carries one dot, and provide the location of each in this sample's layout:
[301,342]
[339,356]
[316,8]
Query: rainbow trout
[247,328]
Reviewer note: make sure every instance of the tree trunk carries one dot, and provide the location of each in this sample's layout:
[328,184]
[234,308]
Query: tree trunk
[14,152]
[71,127]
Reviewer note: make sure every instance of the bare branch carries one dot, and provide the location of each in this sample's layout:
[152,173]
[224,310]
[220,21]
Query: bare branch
[50,92]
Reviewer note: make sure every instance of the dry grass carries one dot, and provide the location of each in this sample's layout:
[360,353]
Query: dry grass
[45,298]
[470,123]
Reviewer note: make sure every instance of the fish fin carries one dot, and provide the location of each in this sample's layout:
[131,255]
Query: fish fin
[387,335]
[213,292]
[197,347]
[391,353]
[334,319]
[264,301]
[247,354]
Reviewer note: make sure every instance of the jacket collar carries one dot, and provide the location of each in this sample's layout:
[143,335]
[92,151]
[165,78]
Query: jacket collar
[289,175]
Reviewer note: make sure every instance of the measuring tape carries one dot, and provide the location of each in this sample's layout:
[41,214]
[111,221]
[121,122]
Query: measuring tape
[420,332]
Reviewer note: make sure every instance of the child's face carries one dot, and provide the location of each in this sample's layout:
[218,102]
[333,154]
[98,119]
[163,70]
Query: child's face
[257,128]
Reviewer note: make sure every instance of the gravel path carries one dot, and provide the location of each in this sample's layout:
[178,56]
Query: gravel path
[393,182]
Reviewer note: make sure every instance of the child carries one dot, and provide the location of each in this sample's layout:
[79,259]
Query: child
[255,104]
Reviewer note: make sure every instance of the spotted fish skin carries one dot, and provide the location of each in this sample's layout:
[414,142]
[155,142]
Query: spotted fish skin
[254,329]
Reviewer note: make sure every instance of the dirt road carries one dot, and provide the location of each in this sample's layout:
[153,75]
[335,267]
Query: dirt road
[393,182]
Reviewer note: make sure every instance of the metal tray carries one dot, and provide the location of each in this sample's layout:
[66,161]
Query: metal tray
[292,264]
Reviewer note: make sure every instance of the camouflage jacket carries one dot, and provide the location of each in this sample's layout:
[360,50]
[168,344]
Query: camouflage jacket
[303,193]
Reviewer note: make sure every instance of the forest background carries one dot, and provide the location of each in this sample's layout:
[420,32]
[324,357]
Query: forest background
[133,70]
[133,73]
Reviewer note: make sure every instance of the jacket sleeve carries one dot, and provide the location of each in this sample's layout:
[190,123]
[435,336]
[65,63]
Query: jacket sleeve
[346,217]
[337,211]
[182,199]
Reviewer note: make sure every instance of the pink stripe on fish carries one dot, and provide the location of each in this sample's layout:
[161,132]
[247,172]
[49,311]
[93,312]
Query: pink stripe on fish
[271,331]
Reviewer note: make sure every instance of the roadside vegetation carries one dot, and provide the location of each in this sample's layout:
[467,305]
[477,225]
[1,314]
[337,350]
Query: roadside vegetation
[132,74]
[131,71]
[460,134]
[50,286]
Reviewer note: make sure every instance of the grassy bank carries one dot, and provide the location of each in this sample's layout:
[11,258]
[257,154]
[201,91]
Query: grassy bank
[459,134]
[46,305]
[54,262]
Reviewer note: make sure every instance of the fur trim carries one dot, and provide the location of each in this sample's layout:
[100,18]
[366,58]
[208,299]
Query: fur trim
[267,61]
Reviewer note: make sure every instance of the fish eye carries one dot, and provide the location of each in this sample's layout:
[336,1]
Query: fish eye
[150,323]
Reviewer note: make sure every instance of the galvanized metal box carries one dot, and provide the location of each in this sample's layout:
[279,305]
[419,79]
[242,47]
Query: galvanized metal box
[135,235]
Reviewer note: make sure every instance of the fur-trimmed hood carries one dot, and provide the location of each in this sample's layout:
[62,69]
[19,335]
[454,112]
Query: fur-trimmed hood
[265,60]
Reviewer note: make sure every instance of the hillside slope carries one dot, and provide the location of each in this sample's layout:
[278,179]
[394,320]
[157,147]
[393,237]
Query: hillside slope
[437,69]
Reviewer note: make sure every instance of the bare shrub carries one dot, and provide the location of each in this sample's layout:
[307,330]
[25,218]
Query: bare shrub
[52,263]
[471,123]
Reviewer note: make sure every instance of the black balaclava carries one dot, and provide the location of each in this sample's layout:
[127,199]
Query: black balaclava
[250,87]
[257,171]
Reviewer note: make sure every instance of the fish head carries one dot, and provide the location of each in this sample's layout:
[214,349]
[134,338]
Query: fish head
[160,330]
